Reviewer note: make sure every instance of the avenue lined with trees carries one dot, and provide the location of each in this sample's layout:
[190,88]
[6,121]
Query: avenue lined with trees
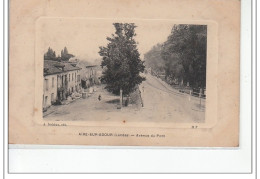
[182,58]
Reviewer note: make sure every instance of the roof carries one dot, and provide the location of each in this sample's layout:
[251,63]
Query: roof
[51,67]
[54,67]
[89,66]
[70,67]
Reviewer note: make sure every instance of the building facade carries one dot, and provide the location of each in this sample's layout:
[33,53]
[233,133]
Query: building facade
[74,83]
[49,90]
[60,80]
[91,76]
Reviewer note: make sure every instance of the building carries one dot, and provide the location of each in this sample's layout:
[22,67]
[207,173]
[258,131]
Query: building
[73,77]
[60,80]
[92,74]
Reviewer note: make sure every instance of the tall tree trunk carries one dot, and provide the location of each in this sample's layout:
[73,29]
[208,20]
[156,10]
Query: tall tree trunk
[121,97]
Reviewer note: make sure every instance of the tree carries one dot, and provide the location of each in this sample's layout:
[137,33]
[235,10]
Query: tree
[62,53]
[65,55]
[121,60]
[185,54]
[154,60]
[50,55]
[65,51]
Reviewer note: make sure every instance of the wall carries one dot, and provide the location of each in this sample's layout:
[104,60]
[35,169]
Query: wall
[57,83]
[49,88]
[73,81]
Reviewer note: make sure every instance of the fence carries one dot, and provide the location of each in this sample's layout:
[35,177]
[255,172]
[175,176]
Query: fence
[199,94]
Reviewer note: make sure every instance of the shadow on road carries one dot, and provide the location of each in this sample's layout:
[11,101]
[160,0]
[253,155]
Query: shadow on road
[113,101]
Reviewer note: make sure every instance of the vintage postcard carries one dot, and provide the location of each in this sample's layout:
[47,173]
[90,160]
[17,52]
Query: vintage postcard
[132,76]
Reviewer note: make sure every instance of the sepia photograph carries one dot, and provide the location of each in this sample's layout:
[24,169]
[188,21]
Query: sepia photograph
[147,70]
[125,73]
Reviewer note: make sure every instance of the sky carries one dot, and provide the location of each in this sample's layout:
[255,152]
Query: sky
[83,37]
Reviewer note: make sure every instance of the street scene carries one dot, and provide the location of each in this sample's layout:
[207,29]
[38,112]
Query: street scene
[161,103]
[166,83]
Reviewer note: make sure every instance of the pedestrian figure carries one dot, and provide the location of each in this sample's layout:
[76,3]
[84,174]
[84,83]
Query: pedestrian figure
[99,97]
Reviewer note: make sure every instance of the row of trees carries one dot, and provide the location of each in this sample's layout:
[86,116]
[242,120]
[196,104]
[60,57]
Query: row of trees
[183,55]
[121,60]
[51,55]
[154,60]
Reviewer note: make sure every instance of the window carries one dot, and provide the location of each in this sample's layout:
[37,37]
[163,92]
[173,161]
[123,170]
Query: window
[52,97]
[52,82]
[46,101]
[72,76]
[69,77]
[46,84]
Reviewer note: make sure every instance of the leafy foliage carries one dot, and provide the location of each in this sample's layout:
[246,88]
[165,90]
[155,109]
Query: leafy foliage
[185,54]
[121,60]
[51,55]
[154,60]
[65,56]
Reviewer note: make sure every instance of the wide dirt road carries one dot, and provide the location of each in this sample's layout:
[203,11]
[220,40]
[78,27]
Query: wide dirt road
[161,102]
